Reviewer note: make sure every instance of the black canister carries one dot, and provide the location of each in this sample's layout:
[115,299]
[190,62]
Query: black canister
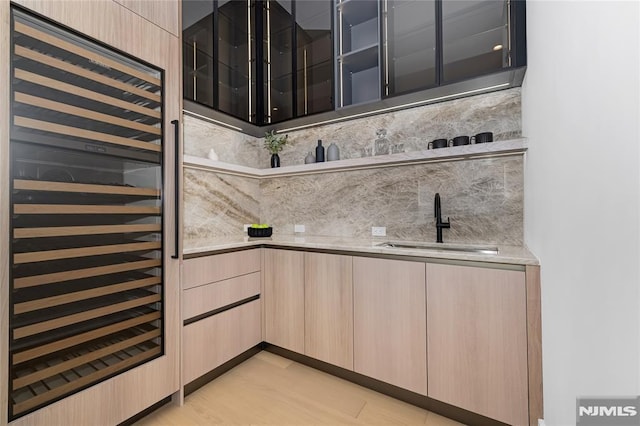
[438,143]
[483,137]
[319,152]
[460,140]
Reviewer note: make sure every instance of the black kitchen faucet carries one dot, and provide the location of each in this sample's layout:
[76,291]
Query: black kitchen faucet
[439,223]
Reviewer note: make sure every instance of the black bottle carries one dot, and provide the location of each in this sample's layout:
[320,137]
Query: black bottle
[319,152]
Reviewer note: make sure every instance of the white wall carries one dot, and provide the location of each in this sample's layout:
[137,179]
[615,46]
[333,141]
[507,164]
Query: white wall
[581,113]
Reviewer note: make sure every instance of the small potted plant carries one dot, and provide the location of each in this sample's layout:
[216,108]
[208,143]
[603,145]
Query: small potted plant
[274,144]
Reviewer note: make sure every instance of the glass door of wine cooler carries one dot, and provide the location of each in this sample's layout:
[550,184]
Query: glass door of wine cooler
[86,298]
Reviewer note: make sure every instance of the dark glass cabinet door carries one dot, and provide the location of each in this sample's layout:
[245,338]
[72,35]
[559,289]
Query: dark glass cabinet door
[198,61]
[219,55]
[475,38]
[269,61]
[236,58]
[314,67]
[409,28]
[358,51]
[298,59]
[278,51]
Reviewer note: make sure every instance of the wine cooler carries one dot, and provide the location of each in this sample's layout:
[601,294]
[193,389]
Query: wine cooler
[86,300]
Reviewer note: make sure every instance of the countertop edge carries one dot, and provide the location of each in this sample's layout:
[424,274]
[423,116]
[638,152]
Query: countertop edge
[525,259]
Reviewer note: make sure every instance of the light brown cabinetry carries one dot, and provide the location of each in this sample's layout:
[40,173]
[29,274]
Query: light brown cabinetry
[389,323]
[207,269]
[283,277]
[328,308]
[216,339]
[202,299]
[477,340]
[165,14]
[221,310]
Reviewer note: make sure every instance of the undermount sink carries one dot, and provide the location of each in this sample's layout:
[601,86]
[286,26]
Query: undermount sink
[441,247]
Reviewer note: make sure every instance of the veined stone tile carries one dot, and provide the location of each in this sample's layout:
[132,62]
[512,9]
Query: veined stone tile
[231,146]
[497,112]
[482,197]
[217,205]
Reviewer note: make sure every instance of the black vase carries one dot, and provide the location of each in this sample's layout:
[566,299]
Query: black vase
[319,152]
[275,160]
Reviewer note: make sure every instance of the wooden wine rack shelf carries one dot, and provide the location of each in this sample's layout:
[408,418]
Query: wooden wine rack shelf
[80,187]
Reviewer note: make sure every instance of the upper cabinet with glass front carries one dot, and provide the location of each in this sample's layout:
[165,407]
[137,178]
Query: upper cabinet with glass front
[387,48]
[409,32]
[298,59]
[358,50]
[314,57]
[276,63]
[219,56]
[475,38]
[197,51]
[287,73]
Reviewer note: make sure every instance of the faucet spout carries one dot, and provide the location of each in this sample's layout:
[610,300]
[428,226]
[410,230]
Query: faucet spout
[440,225]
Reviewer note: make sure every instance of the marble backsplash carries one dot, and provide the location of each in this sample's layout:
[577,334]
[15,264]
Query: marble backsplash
[482,197]
[217,205]
[497,112]
[231,146]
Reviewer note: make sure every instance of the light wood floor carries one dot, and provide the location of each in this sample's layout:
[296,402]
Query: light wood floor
[270,390]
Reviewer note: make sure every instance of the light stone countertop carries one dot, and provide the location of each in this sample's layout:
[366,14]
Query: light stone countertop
[516,255]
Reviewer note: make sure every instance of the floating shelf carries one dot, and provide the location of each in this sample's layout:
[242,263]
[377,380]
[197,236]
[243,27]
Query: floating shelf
[457,153]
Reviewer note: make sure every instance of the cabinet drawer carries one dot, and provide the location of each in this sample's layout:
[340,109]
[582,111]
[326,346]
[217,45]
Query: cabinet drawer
[215,340]
[206,298]
[209,269]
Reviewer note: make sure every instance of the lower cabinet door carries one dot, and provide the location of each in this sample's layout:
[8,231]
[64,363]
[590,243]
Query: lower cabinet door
[212,341]
[328,308]
[389,322]
[477,340]
[283,275]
